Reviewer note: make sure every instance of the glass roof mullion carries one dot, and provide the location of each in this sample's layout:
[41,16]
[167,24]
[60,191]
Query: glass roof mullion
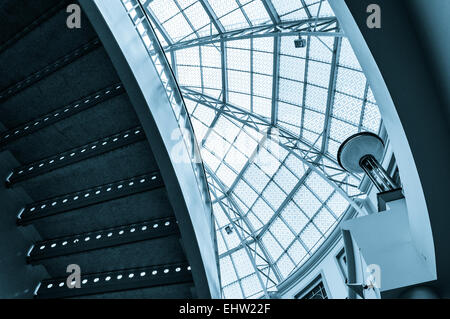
[238,247]
[215,21]
[300,182]
[331,92]
[254,250]
[305,7]
[261,245]
[244,169]
[305,81]
[234,268]
[323,204]
[223,63]
[211,127]
[252,260]
[363,109]
[296,236]
[312,103]
[184,16]
[328,208]
[212,16]
[202,81]
[273,14]
[230,111]
[247,233]
[243,12]
[288,28]
[267,265]
[284,250]
[159,26]
[276,79]
[344,183]
[260,196]
[174,65]
[251,75]
[219,199]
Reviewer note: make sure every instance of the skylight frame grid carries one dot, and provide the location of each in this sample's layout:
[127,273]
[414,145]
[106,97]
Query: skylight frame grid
[313,156]
[157,8]
[263,287]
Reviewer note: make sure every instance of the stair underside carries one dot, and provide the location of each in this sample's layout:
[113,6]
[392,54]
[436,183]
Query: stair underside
[67,101]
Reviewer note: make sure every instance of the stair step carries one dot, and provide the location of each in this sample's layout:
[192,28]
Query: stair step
[123,280]
[75,155]
[22,16]
[121,164]
[104,238]
[150,252]
[50,40]
[59,114]
[87,74]
[81,128]
[90,196]
[48,69]
[139,207]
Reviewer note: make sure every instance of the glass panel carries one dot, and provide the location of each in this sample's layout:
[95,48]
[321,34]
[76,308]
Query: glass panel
[285,265]
[262,211]
[232,291]
[307,201]
[294,217]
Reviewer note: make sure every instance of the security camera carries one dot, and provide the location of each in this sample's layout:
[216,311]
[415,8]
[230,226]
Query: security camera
[300,42]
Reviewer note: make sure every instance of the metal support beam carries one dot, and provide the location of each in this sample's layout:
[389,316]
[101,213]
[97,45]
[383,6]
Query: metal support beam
[248,225]
[286,201]
[275,80]
[273,14]
[252,260]
[212,16]
[249,162]
[223,57]
[119,280]
[88,197]
[305,85]
[49,69]
[252,120]
[326,26]
[158,25]
[289,141]
[305,7]
[105,238]
[331,93]
[77,154]
[61,113]
[276,60]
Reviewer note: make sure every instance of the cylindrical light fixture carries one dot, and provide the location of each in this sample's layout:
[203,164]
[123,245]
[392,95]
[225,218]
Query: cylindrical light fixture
[360,153]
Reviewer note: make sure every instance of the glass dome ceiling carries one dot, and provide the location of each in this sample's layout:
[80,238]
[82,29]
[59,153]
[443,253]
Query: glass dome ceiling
[269,118]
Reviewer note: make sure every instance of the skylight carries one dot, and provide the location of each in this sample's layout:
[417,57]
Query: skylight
[269,119]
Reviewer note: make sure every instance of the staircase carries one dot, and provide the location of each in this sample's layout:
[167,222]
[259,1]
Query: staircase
[93,193]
